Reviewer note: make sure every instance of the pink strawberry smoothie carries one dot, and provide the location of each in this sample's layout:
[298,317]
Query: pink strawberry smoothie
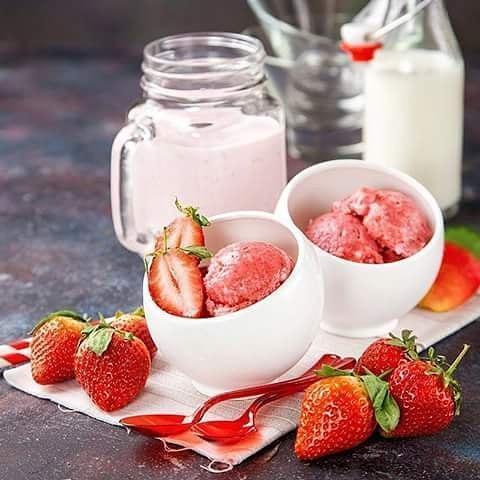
[217,159]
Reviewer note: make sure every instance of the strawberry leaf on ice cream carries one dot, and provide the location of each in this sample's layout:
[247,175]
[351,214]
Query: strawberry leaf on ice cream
[200,252]
[193,213]
[465,237]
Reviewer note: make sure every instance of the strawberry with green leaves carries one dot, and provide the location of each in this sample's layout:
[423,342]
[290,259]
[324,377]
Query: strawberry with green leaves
[341,411]
[427,394]
[175,280]
[186,230]
[111,366]
[55,340]
[134,322]
[384,355]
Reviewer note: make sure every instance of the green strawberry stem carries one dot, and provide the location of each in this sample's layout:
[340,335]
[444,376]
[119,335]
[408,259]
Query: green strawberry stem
[440,367]
[139,311]
[193,213]
[98,337]
[407,341]
[157,252]
[328,371]
[200,252]
[451,369]
[165,240]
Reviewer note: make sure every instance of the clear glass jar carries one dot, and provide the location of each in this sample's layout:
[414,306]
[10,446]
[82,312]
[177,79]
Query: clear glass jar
[207,132]
[414,103]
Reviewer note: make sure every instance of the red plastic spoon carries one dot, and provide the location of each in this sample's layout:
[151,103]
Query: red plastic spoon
[164,425]
[232,431]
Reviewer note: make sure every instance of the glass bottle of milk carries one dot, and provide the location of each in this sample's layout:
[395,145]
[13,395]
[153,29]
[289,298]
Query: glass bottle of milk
[414,104]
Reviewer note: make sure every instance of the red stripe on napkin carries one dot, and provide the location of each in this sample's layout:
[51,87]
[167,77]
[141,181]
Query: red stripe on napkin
[15,352]
[20,344]
[15,358]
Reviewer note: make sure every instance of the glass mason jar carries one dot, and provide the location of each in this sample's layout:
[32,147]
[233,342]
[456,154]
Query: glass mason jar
[414,103]
[206,131]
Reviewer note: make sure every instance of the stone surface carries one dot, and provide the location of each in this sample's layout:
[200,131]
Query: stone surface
[58,117]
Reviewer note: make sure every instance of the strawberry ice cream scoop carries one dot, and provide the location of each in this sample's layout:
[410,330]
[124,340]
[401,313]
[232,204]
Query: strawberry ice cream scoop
[344,236]
[391,218]
[243,273]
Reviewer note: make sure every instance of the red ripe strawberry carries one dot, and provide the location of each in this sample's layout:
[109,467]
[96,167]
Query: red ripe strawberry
[175,280]
[457,280]
[386,353]
[185,231]
[427,395]
[55,339]
[340,412]
[182,232]
[111,366]
[135,323]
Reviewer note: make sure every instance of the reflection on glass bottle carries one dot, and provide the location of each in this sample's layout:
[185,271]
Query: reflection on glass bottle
[414,104]
[324,104]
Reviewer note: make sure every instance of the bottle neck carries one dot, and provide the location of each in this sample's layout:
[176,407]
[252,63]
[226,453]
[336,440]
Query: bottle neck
[202,67]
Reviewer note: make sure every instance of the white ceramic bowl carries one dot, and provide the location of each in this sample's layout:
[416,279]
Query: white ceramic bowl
[363,300]
[258,343]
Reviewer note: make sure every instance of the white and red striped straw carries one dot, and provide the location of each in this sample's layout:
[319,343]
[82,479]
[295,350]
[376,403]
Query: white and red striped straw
[15,353]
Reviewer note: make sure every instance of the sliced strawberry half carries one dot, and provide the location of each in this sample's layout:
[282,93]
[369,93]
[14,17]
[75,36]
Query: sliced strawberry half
[175,283]
[182,232]
[185,230]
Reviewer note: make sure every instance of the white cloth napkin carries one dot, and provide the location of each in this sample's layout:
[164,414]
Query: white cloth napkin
[169,391]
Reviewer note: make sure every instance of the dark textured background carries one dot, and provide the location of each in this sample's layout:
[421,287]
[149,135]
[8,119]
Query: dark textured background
[128,24]
[68,72]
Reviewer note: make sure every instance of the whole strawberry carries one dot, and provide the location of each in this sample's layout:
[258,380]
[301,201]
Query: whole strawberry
[135,323]
[55,340]
[385,354]
[341,411]
[111,366]
[427,394]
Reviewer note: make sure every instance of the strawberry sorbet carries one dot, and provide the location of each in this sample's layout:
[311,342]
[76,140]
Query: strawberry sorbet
[391,218]
[344,236]
[371,226]
[243,273]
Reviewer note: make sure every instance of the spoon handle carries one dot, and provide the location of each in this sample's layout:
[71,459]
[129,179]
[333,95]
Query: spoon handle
[229,431]
[309,376]
[344,363]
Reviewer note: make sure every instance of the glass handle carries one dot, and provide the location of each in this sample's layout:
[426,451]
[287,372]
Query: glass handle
[121,183]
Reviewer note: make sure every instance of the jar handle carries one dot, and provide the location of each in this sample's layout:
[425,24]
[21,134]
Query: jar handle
[121,183]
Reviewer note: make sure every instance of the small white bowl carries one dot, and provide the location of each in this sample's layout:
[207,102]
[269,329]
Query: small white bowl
[256,344]
[363,300]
